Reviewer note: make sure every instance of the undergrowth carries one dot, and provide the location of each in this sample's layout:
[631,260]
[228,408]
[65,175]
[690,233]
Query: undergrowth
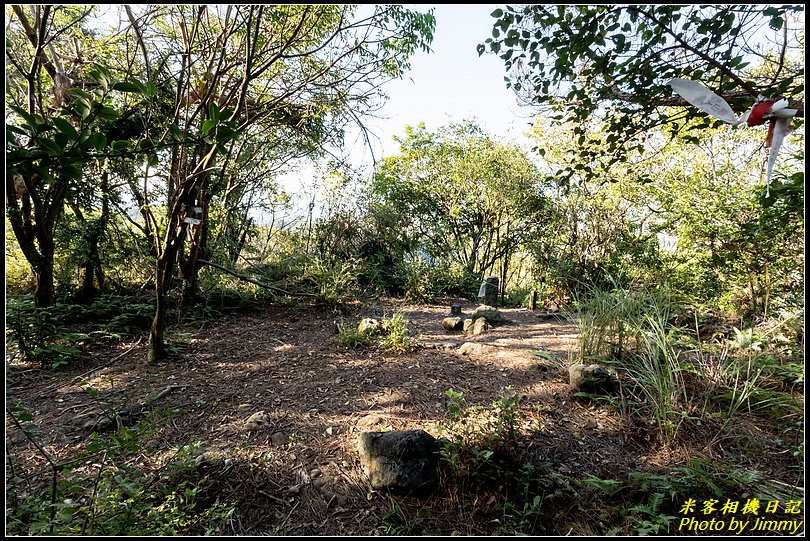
[100,492]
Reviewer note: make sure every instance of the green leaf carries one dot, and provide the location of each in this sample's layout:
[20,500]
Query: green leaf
[108,113]
[82,107]
[207,125]
[150,89]
[48,145]
[65,127]
[79,93]
[28,117]
[62,140]
[176,132]
[124,86]
[98,140]
[15,129]
[498,13]
[225,133]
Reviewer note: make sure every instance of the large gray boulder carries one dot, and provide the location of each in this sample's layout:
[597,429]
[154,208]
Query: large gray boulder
[404,461]
[490,313]
[592,378]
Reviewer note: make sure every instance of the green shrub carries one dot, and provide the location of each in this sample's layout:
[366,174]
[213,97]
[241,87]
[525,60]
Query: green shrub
[422,282]
[350,336]
[101,493]
[334,282]
[476,433]
[397,337]
[36,334]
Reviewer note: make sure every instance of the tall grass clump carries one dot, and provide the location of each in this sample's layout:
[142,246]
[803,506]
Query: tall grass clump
[629,329]
[670,375]
[656,372]
[613,322]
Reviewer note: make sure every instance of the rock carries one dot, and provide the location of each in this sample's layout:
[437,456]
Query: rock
[369,326]
[490,313]
[319,482]
[591,378]
[453,323]
[440,345]
[210,458]
[468,323]
[479,326]
[473,348]
[370,421]
[455,309]
[278,439]
[403,461]
[257,421]
[332,431]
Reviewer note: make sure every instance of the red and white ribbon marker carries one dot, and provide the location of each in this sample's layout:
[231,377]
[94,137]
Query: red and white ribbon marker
[775,112]
[193,226]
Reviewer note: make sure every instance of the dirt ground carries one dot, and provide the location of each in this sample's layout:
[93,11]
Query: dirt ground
[296,472]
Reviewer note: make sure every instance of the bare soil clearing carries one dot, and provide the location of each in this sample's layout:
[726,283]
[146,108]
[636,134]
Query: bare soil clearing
[297,472]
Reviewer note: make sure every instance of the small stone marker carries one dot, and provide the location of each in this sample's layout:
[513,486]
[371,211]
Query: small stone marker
[455,309]
[489,291]
[404,461]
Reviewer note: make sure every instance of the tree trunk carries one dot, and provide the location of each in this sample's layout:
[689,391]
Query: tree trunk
[33,224]
[94,229]
[43,272]
[163,280]
[157,345]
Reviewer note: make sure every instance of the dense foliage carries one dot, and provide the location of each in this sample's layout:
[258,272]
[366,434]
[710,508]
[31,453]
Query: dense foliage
[143,181]
[613,62]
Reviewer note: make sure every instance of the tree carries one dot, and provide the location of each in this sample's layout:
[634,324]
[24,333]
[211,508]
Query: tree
[734,242]
[53,133]
[612,63]
[706,224]
[600,231]
[291,72]
[469,199]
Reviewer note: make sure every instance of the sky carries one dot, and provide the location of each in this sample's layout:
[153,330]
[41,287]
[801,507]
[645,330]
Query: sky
[448,85]
[452,83]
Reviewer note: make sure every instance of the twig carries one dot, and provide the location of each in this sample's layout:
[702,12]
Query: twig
[274,498]
[284,523]
[163,393]
[108,363]
[256,282]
